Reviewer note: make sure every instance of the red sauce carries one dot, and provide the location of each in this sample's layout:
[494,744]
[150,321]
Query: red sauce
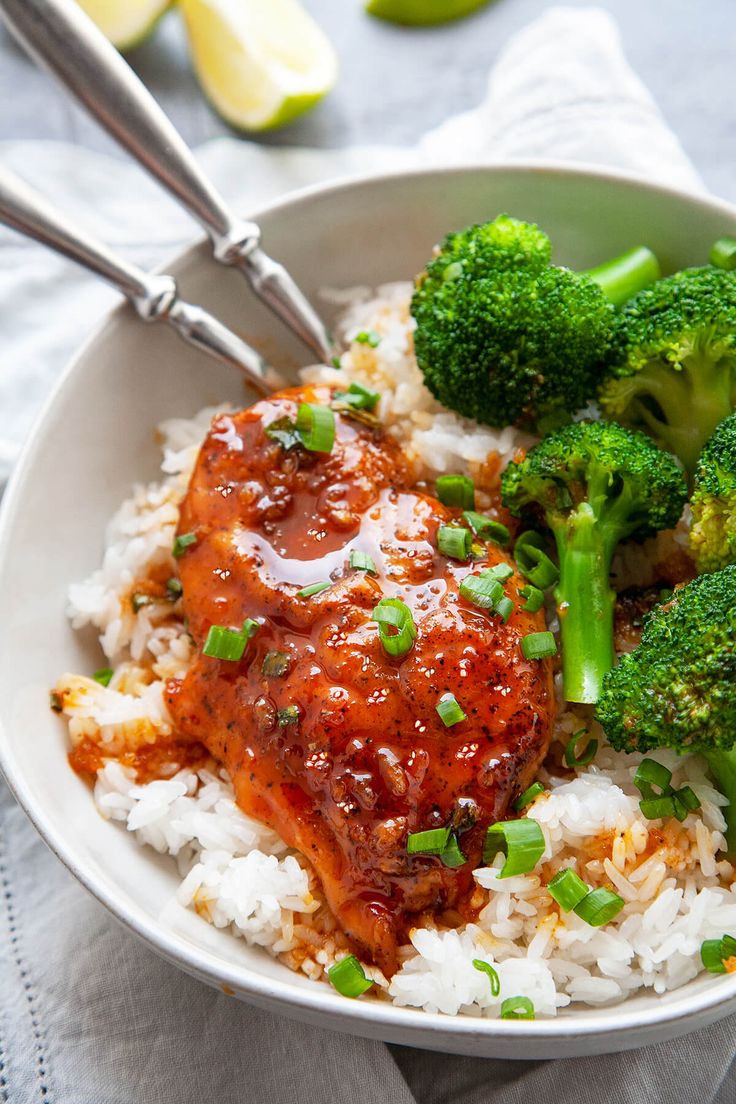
[160,760]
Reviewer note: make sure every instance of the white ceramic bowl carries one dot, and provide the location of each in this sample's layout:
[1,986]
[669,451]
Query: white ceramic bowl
[96,437]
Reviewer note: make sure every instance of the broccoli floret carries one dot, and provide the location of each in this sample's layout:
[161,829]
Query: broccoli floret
[593,484]
[675,369]
[505,337]
[713,503]
[677,689]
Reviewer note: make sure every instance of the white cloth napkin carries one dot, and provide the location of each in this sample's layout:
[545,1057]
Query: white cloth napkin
[87,1014]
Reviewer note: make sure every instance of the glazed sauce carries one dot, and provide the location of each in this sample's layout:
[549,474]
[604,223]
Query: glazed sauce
[343,752]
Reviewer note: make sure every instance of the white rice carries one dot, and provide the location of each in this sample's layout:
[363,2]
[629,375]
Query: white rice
[238,874]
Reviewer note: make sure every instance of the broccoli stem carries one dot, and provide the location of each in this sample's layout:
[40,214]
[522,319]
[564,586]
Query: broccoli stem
[622,277]
[585,603]
[723,768]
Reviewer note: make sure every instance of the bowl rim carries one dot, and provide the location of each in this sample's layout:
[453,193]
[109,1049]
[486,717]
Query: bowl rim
[372,1018]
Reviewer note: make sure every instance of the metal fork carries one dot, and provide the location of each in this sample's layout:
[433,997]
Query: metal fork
[64,40]
[154,296]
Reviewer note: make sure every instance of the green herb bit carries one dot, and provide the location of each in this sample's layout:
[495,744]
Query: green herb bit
[454,542]
[517,1008]
[433,841]
[396,627]
[501,571]
[449,710]
[313,588]
[537,566]
[599,906]
[522,842]
[103,676]
[452,856]
[368,337]
[316,427]
[181,543]
[138,601]
[567,889]
[486,528]
[174,588]
[483,590]
[528,796]
[284,432]
[486,968]
[652,779]
[361,561]
[534,598]
[456,490]
[539,645]
[275,664]
[504,607]
[715,953]
[348,977]
[587,755]
[359,397]
[229,644]
[336,362]
[288,716]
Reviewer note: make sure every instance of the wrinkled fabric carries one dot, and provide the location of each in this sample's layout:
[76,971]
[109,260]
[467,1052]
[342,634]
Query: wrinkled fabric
[88,1014]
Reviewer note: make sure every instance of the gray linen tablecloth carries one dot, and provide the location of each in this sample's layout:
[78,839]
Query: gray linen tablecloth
[88,1015]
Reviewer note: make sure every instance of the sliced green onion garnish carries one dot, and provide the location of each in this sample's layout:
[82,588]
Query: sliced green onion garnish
[517,1008]
[288,716]
[504,607]
[528,796]
[138,601]
[348,977]
[452,856]
[500,571]
[541,571]
[250,628]
[275,664]
[449,710]
[359,397]
[174,587]
[567,889]
[454,542]
[313,588]
[368,337]
[723,253]
[534,598]
[656,808]
[361,561]
[599,906]
[284,432]
[396,626]
[228,644]
[587,755]
[482,590]
[486,528]
[651,774]
[335,362]
[522,841]
[432,842]
[711,955]
[103,676]
[316,427]
[688,798]
[181,543]
[539,645]
[456,490]
[486,968]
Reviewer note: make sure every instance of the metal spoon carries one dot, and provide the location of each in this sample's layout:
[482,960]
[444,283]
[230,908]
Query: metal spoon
[63,39]
[155,297]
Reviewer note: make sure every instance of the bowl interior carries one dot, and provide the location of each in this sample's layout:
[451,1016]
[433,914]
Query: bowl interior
[96,438]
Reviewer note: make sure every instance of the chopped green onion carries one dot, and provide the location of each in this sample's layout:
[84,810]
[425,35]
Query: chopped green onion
[539,645]
[138,601]
[711,955]
[452,856]
[723,253]
[432,842]
[486,968]
[528,796]
[572,759]
[361,561]
[313,588]
[174,587]
[348,977]
[288,716]
[335,362]
[485,528]
[392,613]
[454,542]
[482,590]
[181,543]
[316,427]
[456,490]
[534,598]
[449,710]
[504,607]
[567,889]
[517,1008]
[687,797]
[651,774]
[368,337]
[656,808]
[359,397]
[229,644]
[275,664]
[537,567]
[522,841]
[103,676]
[284,432]
[599,906]
[500,571]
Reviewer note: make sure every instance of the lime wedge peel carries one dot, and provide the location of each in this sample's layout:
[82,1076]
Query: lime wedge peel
[261,64]
[419,13]
[125,22]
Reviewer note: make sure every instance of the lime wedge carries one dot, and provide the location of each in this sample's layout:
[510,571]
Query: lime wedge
[261,62]
[125,22]
[422,12]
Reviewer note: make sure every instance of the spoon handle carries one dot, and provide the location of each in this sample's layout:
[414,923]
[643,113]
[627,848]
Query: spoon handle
[154,296]
[64,40]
